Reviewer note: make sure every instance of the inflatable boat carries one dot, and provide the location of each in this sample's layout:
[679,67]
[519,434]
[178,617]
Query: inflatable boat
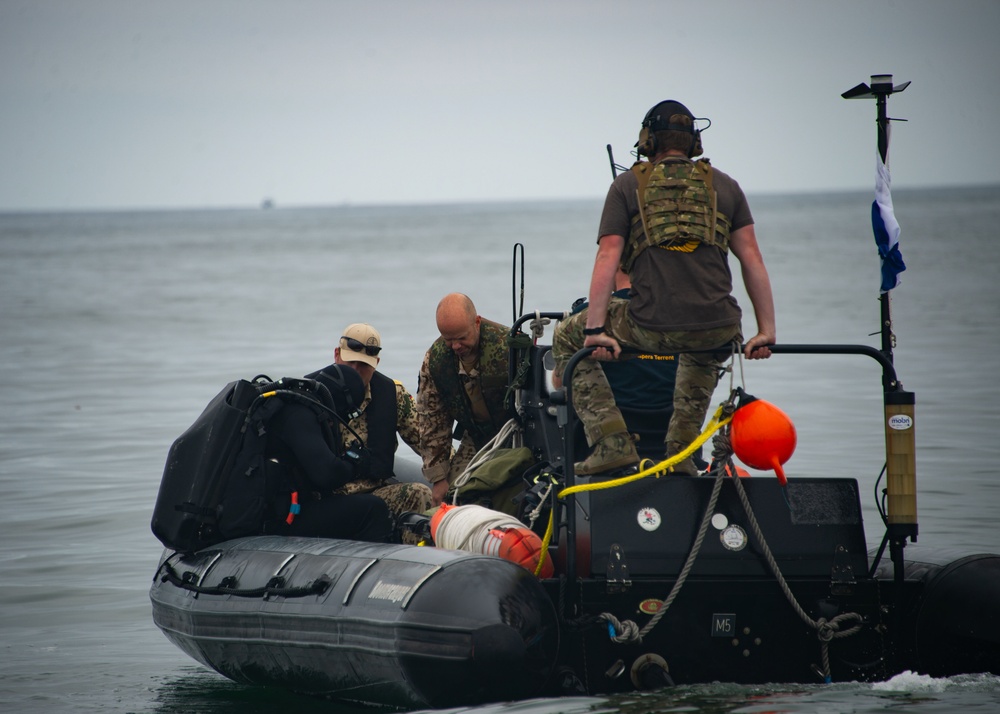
[629,582]
[656,580]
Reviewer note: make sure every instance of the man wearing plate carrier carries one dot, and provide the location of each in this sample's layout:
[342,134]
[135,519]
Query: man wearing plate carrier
[670,223]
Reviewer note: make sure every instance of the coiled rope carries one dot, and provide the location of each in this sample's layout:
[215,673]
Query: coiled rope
[468,528]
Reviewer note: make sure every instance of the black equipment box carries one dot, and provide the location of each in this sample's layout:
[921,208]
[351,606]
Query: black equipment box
[650,526]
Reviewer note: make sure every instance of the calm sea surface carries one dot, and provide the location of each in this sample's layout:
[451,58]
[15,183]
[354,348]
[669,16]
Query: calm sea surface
[117,328]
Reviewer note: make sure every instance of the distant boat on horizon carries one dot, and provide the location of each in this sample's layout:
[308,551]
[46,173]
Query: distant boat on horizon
[267,203]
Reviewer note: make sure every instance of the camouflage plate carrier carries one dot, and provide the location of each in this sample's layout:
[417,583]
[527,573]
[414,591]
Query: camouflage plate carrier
[677,209]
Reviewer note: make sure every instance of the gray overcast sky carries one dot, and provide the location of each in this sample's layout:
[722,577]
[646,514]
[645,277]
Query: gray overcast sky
[181,103]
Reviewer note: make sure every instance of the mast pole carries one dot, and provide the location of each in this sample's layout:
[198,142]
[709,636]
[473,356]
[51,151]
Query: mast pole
[881,87]
[900,444]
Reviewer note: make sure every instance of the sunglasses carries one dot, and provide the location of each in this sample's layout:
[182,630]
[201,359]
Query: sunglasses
[356,346]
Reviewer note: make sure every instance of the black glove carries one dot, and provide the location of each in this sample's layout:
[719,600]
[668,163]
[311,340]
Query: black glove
[360,458]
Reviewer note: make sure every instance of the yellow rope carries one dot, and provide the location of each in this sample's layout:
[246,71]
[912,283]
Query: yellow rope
[656,470]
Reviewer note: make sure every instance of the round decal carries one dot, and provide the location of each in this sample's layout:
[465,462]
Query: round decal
[900,422]
[650,606]
[719,521]
[649,519]
[733,537]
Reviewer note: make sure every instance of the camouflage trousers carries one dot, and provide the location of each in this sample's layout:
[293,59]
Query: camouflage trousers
[402,498]
[406,497]
[697,374]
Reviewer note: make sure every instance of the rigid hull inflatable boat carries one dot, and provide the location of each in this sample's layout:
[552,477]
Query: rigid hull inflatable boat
[658,580]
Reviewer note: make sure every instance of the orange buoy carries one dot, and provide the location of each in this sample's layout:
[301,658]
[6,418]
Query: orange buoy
[524,547]
[438,515]
[763,437]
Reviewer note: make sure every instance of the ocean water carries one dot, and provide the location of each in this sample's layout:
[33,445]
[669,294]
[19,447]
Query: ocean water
[117,328]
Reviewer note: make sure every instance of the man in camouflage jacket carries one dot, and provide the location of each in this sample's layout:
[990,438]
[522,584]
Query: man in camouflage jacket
[463,380]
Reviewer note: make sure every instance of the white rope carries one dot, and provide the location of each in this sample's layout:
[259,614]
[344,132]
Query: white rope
[538,326]
[542,503]
[737,354]
[468,528]
[507,431]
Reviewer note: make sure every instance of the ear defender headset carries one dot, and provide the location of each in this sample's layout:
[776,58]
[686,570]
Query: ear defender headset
[658,119]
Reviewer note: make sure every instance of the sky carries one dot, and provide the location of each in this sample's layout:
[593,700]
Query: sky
[130,104]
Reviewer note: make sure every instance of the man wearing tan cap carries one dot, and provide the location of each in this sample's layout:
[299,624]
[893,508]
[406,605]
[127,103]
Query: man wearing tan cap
[386,410]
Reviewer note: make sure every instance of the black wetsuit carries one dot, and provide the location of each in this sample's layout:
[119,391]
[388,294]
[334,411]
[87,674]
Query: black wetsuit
[303,455]
[297,438]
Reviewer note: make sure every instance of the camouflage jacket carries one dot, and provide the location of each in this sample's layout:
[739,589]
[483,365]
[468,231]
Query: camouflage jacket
[442,400]
[406,427]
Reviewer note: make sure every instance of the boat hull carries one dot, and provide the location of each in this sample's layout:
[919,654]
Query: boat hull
[395,625]
[417,627]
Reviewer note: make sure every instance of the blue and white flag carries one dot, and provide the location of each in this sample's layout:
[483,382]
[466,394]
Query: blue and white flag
[886,228]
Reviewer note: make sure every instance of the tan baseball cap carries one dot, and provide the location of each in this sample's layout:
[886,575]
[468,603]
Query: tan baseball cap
[360,342]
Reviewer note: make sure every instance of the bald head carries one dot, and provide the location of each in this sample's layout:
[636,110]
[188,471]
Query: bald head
[455,308]
[458,324]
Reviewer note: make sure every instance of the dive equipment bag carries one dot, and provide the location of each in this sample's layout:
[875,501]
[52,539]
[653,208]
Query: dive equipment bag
[227,438]
[495,483]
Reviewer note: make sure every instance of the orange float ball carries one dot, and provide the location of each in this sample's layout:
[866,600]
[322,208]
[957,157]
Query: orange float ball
[763,437]
[524,547]
[438,517]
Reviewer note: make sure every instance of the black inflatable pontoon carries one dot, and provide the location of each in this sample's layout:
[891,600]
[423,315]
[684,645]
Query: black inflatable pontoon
[396,625]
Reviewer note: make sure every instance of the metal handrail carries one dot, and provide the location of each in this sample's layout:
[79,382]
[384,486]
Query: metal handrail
[889,380]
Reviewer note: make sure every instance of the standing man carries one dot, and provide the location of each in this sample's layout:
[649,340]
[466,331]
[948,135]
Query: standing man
[670,223]
[463,380]
[643,385]
[387,409]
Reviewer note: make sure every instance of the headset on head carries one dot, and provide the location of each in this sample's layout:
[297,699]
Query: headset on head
[655,121]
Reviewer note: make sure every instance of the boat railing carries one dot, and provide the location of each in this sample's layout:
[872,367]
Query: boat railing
[901,514]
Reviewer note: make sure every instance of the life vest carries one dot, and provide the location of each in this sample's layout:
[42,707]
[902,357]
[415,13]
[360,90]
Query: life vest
[217,481]
[494,368]
[380,416]
[678,209]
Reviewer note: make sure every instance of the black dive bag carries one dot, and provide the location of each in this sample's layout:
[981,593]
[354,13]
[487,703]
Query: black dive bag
[188,514]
